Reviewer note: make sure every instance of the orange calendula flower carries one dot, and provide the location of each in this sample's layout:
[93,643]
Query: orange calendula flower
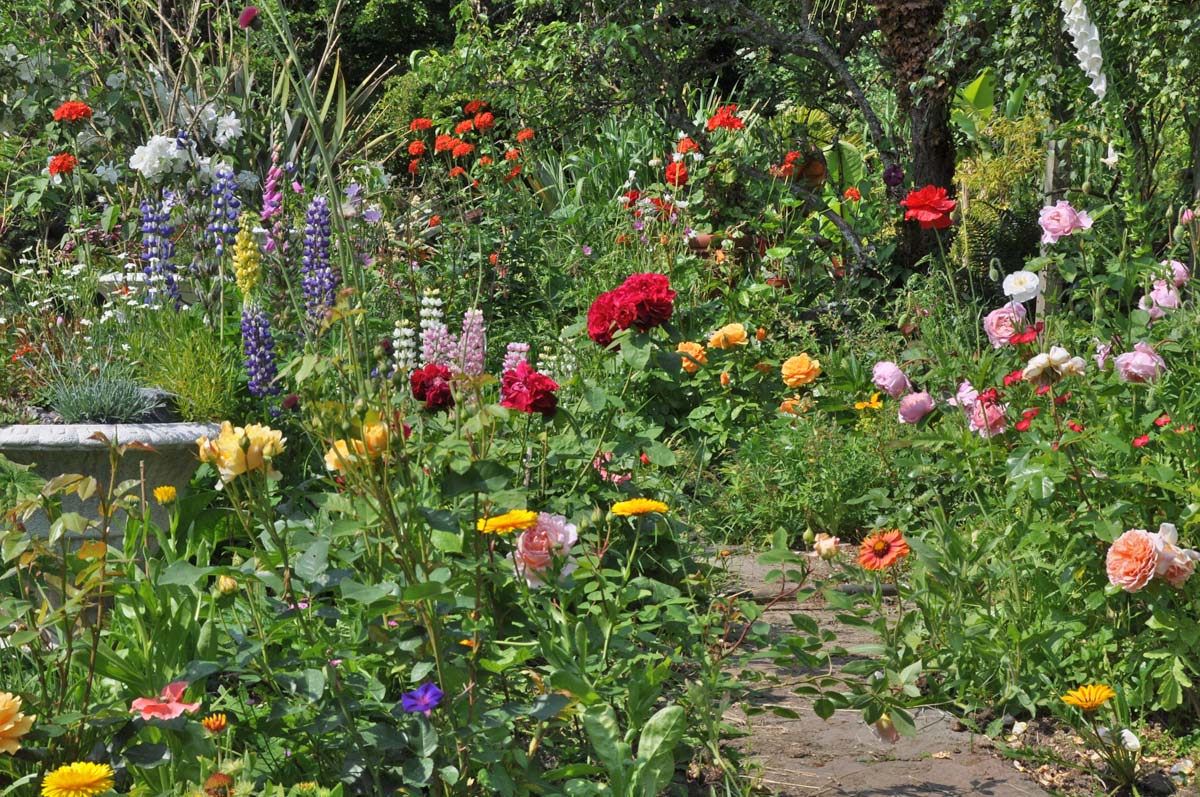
[215,723]
[638,506]
[81,779]
[882,549]
[510,521]
[799,371]
[218,784]
[694,356]
[1089,698]
[728,336]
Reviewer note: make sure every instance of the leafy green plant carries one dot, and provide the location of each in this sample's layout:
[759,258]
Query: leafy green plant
[80,394]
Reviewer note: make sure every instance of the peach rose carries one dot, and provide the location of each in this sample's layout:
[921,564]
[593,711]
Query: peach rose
[800,370]
[694,356]
[728,336]
[1132,560]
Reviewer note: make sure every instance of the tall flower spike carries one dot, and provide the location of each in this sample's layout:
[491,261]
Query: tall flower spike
[1087,43]
[514,354]
[222,218]
[259,346]
[472,345]
[319,280]
[404,346]
[157,251]
[247,259]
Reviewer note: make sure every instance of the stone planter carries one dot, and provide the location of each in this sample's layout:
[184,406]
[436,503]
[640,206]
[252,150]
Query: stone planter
[68,448]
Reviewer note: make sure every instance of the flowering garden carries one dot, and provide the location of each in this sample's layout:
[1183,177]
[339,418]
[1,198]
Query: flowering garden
[484,337]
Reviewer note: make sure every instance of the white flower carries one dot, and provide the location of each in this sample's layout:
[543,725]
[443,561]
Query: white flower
[1104,733]
[1076,366]
[229,128]
[1111,160]
[655,163]
[1059,357]
[676,157]
[697,157]
[1022,286]
[1087,44]
[1129,741]
[160,155]
[247,180]
[107,172]
[1036,365]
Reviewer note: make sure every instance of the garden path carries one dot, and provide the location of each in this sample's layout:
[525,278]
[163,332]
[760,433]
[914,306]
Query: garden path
[841,757]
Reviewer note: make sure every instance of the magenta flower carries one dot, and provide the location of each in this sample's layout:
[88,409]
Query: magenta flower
[249,18]
[425,698]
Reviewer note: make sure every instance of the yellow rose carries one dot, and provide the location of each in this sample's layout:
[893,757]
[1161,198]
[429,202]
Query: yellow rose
[13,724]
[343,454]
[801,370]
[696,352]
[728,336]
[375,436]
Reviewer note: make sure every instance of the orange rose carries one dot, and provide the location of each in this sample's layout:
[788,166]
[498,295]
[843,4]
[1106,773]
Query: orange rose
[801,370]
[724,379]
[695,352]
[1132,560]
[728,336]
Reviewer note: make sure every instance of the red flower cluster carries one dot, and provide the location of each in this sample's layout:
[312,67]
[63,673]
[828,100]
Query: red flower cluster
[416,148]
[1013,377]
[63,163]
[465,126]
[1144,440]
[431,385]
[462,149]
[724,117]
[443,142]
[457,171]
[512,154]
[484,120]
[930,207]
[420,123]
[414,166]
[686,145]
[853,194]
[1027,419]
[472,107]
[643,300]
[524,389]
[677,174]
[524,135]
[72,111]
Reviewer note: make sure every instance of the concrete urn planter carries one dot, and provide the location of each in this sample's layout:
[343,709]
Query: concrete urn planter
[54,449]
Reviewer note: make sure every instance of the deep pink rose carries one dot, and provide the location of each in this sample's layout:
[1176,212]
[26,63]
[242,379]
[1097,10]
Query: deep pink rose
[915,406]
[540,545]
[609,314]
[1140,365]
[524,389]
[987,418]
[890,379]
[1004,322]
[431,385]
[1060,220]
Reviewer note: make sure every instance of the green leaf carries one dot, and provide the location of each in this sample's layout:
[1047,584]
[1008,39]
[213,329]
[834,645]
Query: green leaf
[365,593]
[184,574]
[656,749]
[600,722]
[313,563]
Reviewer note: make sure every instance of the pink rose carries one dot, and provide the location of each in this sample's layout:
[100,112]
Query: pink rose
[1162,298]
[890,379]
[987,418]
[602,459]
[1179,272]
[1103,352]
[1004,322]
[915,406]
[1061,220]
[1140,365]
[1132,560]
[966,397]
[540,545]
[1175,564]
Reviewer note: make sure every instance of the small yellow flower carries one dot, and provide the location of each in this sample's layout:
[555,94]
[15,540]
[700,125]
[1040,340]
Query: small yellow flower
[81,779]
[728,336]
[873,404]
[13,724]
[800,370]
[226,585]
[237,450]
[215,723]
[638,506]
[1089,698]
[343,454]
[165,494]
[509,521]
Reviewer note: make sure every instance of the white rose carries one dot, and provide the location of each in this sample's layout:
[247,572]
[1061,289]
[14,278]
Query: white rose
[1073,367]
[1059,356]
[1036,366]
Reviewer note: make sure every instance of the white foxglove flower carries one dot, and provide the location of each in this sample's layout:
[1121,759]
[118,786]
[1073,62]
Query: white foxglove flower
[1087,44]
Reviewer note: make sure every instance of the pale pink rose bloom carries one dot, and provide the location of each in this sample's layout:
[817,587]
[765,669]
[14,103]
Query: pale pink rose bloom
[1004,322]
[915,406]
[965,398]
[1175,564]
[1132,560]
[1060,220]
[1103,352]
[890,379]
[1179,272]
[826,546]
[988,418]
[168,706]
[1140,365]
[602,459]
[540,545]
[1162,298]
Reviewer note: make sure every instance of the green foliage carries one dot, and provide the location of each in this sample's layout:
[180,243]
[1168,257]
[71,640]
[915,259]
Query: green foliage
[81,393]
[199,366]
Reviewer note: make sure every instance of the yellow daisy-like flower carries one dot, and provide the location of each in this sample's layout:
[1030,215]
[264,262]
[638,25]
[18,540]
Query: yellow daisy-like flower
[509,521]
[1089,698]
[873,404]
[638,506]
[13,724]
[164,494]
[81,779]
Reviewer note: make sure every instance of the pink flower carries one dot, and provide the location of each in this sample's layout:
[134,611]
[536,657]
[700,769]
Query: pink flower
[602,459]
[1175,564]
[1103,352]
[987,418]
[965,398]
[915,406]
[1140,365]
[168,705]
[1004,322]
[890,379]
[1060,220]
[1162,298]
[1133,559]
[249,18]
[1179,272]
[540,545]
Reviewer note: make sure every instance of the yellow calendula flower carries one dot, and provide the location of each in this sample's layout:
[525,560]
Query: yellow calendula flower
[509,521]
[247,259]
[1089,698]
[13,724]
[728,336]
[165,494]
[215,723]
[81,779]
[800,370]
[873,404]
[638,506]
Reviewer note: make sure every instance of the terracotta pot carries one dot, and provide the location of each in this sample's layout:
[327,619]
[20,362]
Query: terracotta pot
[703,241]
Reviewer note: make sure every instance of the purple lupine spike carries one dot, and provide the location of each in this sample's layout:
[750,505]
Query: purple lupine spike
[272,195]
[472,344]
[319,281]
[223,217]
[157,251]
[439,346]
[259,346]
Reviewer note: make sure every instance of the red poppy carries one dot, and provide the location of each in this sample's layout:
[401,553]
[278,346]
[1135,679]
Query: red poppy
[677,174]
[414,166]
[1013,377]
[443,142]
[522,388]
[930,207]
[72,111]
[853,194]
[465,126]
[484,120]
[524,135]
[631,197]
[989,396]
[63,163]
[1023,425]
[416,148]
[420,123]
[664,207]
[1029,335]
[686,145]
[882,549]
[1031,413]
[725,118]
[472,107]
[431,385]
[1143,440]
[1042,390]
[1063,399]
[435,221]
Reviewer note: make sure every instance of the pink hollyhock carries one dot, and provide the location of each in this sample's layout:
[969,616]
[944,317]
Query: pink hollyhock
[1002,323]
[526,390]
[1179,272]
[890,379]
[1060,220]
[168,706]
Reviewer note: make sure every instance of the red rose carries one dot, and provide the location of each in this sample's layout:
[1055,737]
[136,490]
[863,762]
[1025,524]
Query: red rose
[608,314]
[651,298]
[63,164]
[484,120]
[431,385]
[930,207]
[524,389]
[420,123]
[72,111]
[416,148]
[677,174]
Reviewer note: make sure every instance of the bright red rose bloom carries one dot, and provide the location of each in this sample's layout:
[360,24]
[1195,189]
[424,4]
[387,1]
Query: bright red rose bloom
[524,389]
[72,111]
[431,385]
[677,174]
[651,298]
[63,164]
[609,313]
[930,207]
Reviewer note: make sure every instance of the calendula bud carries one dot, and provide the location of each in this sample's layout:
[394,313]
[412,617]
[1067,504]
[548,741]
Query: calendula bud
[725,379]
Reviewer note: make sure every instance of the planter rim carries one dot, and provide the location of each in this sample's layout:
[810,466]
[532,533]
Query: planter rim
[50,437]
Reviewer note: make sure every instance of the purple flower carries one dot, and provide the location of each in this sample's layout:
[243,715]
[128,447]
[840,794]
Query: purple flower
[514,354]
[259,346]
[472,345]
[272,196]
[587,250]
[320,282]
[424,699]
[157,251]
[223,217]
[893,176]
[372,215]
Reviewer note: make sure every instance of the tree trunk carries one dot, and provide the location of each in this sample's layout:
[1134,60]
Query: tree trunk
[933,158]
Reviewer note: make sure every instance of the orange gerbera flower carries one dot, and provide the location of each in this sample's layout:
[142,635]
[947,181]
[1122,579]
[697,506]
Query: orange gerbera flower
[882,549]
